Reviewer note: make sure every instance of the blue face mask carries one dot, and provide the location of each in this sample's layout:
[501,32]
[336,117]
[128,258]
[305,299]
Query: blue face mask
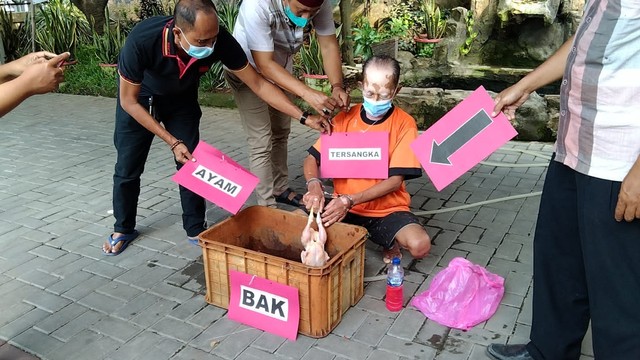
[198,52]
[296,20]
[376,108]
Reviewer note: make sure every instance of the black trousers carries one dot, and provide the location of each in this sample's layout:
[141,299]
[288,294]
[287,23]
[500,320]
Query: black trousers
[586,267]
[181,117]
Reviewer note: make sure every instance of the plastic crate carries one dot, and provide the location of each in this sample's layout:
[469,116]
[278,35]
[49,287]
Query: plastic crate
[265,242]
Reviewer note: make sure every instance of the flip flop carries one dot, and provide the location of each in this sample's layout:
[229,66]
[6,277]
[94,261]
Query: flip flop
[193,240]
[284,198]
[125,239]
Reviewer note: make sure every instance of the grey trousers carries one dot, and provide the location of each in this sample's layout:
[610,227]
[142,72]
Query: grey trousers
[267,131]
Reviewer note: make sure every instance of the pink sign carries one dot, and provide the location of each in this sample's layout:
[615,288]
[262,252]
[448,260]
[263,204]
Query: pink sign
[462,138]
[355,155]
[264,304]
[217,178]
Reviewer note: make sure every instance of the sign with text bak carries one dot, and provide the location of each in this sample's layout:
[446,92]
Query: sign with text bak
[355,155]
[462,138]
[217,178]
[264,304]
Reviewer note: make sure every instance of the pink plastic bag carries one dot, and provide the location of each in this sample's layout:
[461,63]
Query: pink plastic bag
[461,296]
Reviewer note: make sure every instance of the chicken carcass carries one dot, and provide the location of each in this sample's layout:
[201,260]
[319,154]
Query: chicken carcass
[313,242]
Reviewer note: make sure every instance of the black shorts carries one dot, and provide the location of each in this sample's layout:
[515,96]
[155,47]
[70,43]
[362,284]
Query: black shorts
[383,230]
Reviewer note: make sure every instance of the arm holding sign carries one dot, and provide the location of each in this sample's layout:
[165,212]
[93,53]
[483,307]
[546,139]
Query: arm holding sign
[129,101]
[551,70]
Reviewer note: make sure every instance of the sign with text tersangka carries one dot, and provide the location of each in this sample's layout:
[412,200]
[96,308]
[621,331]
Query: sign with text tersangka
[462,138]
[217,178]
[264,304]
[355,155]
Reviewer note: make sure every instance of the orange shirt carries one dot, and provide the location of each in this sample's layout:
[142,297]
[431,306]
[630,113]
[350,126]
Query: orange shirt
[402,131]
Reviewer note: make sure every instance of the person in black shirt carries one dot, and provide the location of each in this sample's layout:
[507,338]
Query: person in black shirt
[160,66]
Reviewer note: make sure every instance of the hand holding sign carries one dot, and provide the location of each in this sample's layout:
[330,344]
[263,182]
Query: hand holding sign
[217,178]
[462,138]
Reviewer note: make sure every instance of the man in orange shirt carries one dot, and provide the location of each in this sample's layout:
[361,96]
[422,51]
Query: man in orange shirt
[379,205]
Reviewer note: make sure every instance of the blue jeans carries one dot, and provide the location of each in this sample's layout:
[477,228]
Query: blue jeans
[181,117]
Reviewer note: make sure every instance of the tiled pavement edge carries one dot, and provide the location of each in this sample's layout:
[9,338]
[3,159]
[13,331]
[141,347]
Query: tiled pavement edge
[62,299]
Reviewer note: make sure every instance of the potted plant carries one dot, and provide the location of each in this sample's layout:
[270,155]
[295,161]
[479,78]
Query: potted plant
[108,44]
[310,65]
[434,24]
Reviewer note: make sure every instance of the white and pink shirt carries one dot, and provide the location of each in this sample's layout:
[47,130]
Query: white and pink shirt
[599,128]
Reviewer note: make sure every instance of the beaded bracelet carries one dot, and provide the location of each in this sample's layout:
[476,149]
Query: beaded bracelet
[175,144]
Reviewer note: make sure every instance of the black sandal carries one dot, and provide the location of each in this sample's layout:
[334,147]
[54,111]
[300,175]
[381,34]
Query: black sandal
[284,198]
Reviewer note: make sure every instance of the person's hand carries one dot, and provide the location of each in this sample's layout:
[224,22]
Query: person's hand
[319,123]
[509,100]
[45,76]
[335,211]
[22,63]
[322,103]
[181,153]
[342,98]
[314,198]
[628,206]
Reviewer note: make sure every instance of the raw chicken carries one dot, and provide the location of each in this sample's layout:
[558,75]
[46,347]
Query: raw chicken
[313,242]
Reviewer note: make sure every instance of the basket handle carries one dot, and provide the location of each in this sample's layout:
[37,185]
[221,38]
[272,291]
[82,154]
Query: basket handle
[348,257]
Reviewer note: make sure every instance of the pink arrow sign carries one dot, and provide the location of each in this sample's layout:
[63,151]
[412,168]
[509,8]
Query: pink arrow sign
[462,138]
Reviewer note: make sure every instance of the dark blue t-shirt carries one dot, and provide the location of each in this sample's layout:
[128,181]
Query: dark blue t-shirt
[149,58]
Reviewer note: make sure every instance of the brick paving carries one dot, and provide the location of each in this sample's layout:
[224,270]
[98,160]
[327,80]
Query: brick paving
[62,299]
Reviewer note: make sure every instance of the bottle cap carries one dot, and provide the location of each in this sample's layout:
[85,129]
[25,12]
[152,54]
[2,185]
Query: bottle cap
[396,261]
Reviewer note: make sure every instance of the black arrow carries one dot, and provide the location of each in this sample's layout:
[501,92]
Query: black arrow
[440,153]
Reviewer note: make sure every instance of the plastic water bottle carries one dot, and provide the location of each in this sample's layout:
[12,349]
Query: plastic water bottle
[395,278]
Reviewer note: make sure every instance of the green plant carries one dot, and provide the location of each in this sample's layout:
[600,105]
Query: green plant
[425,49]
[109,43]
[364,36]
[86,77]
[14,36]
[60,26]
[213,79]
[310,58]
[435,25]
[471,34]
[149,8]
[228,12]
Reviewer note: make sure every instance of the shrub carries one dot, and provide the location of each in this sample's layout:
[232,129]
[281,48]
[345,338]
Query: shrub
[108,44]
[86,77]
[60,26]
[15,37]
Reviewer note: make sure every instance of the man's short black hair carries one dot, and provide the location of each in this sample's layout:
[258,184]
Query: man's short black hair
[186,10]
[383,61]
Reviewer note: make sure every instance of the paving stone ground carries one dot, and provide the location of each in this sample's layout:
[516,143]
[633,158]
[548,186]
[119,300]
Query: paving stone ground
[61,298]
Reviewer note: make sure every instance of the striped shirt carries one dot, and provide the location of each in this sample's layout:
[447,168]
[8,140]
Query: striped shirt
[263,26]
[599,127]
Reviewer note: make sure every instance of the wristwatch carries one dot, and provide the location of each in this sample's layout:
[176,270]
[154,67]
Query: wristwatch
[303,118]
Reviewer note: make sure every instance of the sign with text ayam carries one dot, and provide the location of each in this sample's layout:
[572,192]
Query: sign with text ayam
[462,138]
[264,304]
[217,178]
